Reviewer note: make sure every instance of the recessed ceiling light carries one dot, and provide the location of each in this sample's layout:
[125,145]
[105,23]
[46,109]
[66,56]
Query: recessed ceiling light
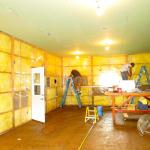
[77,57]
[107,42]
[101,5]
[107,48]
[105,3]
[77,52]
[99,11]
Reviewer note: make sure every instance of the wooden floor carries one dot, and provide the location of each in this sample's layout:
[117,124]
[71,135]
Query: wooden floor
[65,130]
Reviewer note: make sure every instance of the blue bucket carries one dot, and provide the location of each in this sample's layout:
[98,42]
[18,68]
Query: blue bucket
[100,110]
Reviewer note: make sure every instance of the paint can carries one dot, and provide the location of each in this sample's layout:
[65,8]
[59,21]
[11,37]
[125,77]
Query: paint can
[119,90]
[100,111]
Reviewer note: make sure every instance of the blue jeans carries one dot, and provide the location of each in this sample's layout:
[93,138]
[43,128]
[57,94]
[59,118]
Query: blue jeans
[124,75]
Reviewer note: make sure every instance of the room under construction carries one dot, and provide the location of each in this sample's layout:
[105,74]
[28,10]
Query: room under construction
[75,75]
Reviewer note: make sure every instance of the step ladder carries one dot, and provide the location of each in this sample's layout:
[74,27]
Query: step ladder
[143,70]
[91,114]
[68,81]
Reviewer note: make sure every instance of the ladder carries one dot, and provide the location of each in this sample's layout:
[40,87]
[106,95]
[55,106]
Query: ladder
[74,90]
[143,70]
[91,114]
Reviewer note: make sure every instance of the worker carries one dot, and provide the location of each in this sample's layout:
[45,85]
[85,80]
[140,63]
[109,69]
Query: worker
[126,71]
[76,76]
[75,73]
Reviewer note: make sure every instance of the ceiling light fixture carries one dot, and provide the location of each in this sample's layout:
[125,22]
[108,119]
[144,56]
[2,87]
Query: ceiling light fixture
[101,5]
[107,42]
[77,52]
[99,10]
[107,48]
[77,57]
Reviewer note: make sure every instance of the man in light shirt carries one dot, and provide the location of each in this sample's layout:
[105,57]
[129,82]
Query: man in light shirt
[126,71]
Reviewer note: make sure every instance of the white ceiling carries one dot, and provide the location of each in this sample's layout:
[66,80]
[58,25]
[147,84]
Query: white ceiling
[63,26]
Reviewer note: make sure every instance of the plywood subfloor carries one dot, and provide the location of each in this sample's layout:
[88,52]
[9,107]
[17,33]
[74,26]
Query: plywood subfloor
[65,129]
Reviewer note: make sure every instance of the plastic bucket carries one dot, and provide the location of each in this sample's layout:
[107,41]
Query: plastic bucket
[100,110]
